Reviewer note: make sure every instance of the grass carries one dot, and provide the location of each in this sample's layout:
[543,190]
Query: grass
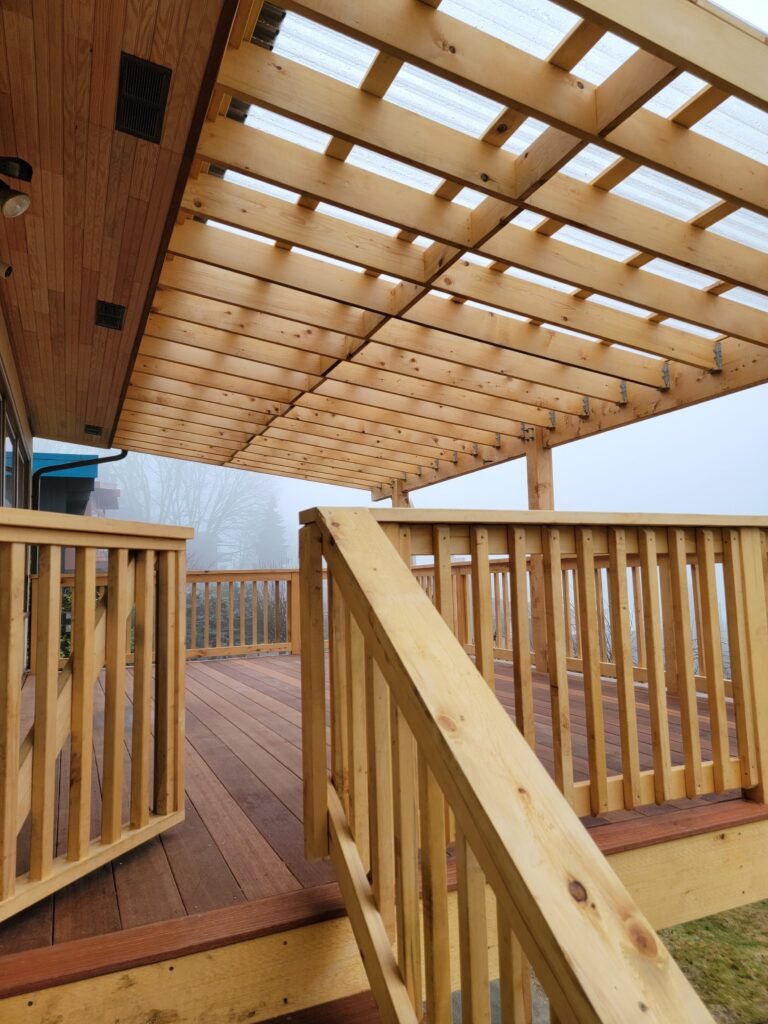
[725,957]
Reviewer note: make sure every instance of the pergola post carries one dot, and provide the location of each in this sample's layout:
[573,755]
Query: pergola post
[400,497]
[541,495]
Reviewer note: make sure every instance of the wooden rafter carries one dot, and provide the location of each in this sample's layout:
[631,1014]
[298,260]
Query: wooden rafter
[429,338]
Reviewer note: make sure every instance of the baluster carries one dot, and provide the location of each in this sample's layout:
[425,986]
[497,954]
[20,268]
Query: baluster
[44,750]
[498,611]
[667,626]
[445,593]
[84,673]
[356,729]
[697,619]
[218,613]
[686,680]
[657,696]
[165,682]
[521,634]
[741,679]
[206,614]
[637,600]
[473,935]
[11,667]
[566,576]
[590,666]
[625,676]
[756,608]
[515,1002]
[380,795]
[600,611]
[434,875]
[241,593]
[293,626]
[193,617]
[254,613]
[265,611]
[481,602]
[710,654]
[576,615]
[118,608]
[339,694]
[231,613]
[558,673]
[142,688]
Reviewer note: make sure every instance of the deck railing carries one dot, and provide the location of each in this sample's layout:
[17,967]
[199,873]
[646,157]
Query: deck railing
[48,721]
[420,755]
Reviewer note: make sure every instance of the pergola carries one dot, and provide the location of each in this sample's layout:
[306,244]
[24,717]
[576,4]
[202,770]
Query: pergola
[420,238]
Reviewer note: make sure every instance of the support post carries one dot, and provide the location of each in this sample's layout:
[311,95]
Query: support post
[400,498]
[541,496]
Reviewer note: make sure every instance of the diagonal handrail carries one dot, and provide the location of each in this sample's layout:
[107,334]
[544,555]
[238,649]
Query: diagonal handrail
[595,953]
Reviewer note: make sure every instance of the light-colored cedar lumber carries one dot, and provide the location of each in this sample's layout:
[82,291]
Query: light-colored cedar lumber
[84,673]
[114,686]
[710,641]
[380,795]
[11,662]
[434,882]
[562,743]
[312,693]
[142,688]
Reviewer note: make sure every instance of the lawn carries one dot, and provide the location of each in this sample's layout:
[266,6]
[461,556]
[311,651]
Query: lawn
[726,959]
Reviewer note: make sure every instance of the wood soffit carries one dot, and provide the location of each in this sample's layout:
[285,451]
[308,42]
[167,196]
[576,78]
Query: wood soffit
[364,287]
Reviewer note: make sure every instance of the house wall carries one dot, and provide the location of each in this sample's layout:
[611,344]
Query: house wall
[14,424]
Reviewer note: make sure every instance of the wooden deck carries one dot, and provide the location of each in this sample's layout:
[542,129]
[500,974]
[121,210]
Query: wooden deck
[241,843]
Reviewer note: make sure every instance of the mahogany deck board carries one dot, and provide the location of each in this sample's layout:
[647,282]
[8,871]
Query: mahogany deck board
[241,845]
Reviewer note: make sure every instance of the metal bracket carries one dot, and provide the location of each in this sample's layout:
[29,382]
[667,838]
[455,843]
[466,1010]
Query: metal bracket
[624,398]
[475,448]
[718,354]
[552,420]
[666,379]
[455,458]
[585,405]
[527,432]
[498,440]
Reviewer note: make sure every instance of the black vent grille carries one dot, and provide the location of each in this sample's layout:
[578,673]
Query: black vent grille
[91,428]
[109,314]
[141,97]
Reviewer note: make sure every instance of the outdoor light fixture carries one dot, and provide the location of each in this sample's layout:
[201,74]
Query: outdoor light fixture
[12,202]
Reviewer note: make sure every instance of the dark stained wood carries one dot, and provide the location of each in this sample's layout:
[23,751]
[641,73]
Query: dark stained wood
[360,1009]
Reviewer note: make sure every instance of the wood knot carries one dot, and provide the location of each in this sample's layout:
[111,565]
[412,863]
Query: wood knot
[446,723]
[577,890]
[643,939]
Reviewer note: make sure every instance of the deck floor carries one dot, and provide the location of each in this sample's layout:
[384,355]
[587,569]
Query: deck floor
[242,837]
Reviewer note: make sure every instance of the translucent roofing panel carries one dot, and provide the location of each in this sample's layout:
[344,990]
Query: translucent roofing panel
[675,95]
[674,272]
[496,311]
[218,226]
[385,166]
[605,57]
[746,227]
[470,198]
[528,220]
[261,186]
[357,218]
[622,307]
[660,192]
[738,125]
[322,49]
[701,332]
[594,243]
[481,261]
[328,259]
[536,26]
[747,298]
[442,101]
[589,163]
[285,128]
[547,282]
[525,136]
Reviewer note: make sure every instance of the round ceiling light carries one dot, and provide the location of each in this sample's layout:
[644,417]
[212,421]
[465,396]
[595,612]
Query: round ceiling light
[13,203]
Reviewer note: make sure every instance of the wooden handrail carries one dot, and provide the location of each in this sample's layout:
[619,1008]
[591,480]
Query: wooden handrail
[134,614]
[594,952]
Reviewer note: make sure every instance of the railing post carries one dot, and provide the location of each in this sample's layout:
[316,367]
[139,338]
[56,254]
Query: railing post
[313,693]
[541,495]
[756,652]
[11,662]
[294,613]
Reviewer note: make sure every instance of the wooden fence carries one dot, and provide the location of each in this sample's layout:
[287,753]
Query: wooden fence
[139,602]
[422,755]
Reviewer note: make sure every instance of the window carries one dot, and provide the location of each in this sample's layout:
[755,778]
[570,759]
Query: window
[14,479]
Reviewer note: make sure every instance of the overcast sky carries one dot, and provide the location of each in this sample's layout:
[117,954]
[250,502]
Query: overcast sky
[709,458]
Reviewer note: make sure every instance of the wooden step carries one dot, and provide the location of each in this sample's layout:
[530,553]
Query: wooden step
[360,1009]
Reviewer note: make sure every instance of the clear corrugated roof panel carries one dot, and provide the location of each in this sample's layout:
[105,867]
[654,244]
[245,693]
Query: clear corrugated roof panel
[605,57]
[674,272]
[525,136]
[377,163]
[442,101]
[547,282]
[746,227]
[470,198]
[594,243]
[622,307]
[665,194]
[328,259]
[528,220]
[357,218]
[589,163]
[739,126]
[218,226]
[261,186]
[747,298]
[701,332]
[285,128]
[322,49]
[675,95]
[533,25]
